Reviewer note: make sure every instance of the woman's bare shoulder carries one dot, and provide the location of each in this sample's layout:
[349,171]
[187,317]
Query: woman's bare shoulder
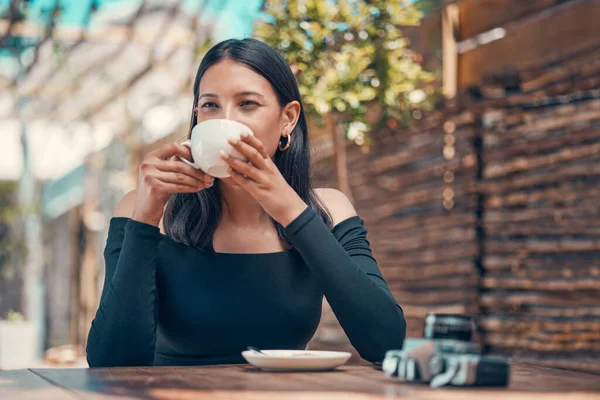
[126,206]
[338,204]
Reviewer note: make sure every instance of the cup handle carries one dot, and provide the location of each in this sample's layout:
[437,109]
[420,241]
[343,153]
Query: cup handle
[188,144]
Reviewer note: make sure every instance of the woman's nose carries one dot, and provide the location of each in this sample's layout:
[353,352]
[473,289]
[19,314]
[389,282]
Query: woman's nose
[231,113]
[228,112]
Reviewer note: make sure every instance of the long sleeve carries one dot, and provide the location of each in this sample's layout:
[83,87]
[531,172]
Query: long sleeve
[350,279]
[123,332]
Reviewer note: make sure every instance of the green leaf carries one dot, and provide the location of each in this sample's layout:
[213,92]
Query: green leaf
[341,71]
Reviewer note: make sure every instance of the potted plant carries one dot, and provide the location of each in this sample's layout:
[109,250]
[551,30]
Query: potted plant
[18,341]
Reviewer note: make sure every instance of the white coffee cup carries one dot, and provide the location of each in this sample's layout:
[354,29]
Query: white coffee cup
[209,138]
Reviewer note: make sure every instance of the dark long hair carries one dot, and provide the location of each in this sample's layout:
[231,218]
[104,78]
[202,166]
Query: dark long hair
[192,218]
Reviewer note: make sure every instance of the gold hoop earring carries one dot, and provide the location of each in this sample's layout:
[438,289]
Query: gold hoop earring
[284,141]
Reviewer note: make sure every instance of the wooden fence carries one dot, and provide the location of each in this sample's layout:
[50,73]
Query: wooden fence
[490,206]
[416,190]
[541,220]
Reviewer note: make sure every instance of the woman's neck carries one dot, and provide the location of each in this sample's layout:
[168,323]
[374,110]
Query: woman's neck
[240,208]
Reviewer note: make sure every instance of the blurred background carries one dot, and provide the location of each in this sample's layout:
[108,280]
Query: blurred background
[466,132]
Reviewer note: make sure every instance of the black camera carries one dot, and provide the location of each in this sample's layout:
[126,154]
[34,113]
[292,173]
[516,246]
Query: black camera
[446,356]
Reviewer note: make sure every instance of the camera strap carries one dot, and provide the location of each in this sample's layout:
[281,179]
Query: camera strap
[452,366]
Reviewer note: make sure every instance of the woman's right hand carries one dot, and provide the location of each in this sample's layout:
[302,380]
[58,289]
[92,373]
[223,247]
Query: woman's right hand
[162,174]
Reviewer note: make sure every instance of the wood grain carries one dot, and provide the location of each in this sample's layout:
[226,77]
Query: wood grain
[535,41]
[247,382]
[518,156]
[478,16]
[26,385]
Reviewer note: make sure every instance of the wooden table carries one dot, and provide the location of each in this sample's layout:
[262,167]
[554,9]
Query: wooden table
[233,382]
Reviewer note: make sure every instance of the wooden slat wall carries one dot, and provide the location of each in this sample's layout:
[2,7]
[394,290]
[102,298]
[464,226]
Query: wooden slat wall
[541,157]
[426,252]
[478,16]
[538,294]
[521,246]
[549,37]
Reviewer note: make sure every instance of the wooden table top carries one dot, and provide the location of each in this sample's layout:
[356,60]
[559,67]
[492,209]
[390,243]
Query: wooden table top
[234,382]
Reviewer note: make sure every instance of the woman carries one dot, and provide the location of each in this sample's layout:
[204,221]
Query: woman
[197,270]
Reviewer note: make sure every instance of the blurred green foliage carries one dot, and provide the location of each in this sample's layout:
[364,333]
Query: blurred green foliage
[14,316]
[351,56]
[12,245]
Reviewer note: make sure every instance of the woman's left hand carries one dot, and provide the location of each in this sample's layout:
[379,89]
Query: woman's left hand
[260,177]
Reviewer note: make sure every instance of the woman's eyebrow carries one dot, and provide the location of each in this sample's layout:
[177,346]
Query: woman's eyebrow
[247,93]
[239,94]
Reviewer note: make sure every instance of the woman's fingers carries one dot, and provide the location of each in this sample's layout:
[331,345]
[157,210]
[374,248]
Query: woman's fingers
[177,166]
[251,153]
[237,177]
[172,149]
[242,167]
[256,143]
[180,178]
[173,188]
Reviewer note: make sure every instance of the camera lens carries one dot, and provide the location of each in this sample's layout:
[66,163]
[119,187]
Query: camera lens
[448,326]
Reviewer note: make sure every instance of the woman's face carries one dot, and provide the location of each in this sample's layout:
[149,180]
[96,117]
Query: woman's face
[230,90]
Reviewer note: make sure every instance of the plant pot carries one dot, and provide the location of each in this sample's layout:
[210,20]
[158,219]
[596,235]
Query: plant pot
[18,344]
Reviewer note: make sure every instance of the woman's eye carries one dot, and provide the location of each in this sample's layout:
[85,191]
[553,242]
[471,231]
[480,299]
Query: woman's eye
[249,103]
[208,104]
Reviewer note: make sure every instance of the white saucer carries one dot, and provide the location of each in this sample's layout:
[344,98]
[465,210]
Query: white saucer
[296,360]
